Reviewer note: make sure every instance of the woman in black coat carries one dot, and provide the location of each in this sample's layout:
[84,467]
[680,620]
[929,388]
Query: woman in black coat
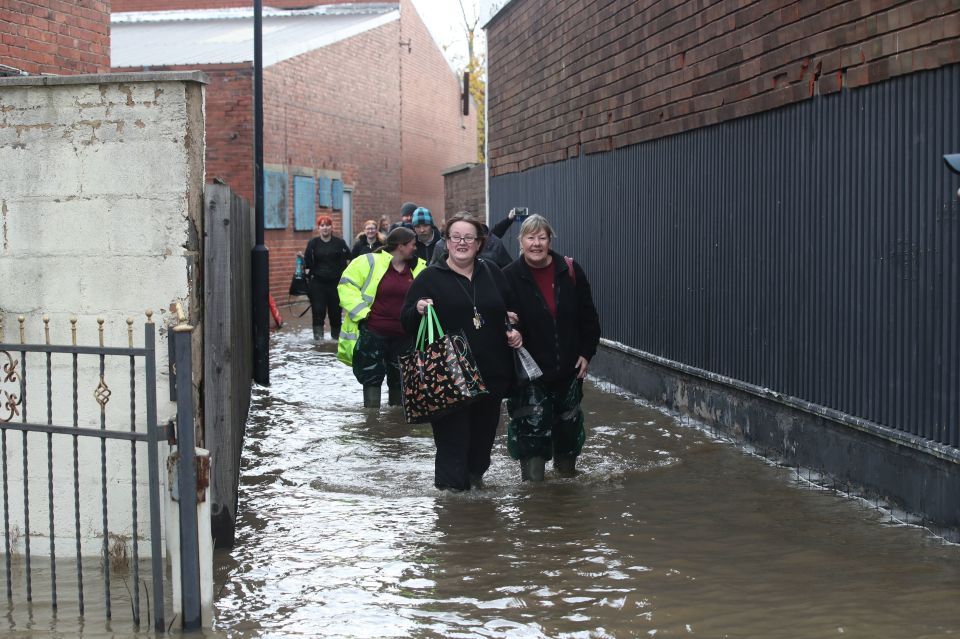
[324,259]
[469,295]
[368,241]
[561,331]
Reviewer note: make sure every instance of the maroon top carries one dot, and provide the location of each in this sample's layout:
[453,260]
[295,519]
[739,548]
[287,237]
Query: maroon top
[544,279]
[384,317]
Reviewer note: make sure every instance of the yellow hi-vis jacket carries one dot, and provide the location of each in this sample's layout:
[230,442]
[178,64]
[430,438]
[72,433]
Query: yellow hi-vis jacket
[357,290]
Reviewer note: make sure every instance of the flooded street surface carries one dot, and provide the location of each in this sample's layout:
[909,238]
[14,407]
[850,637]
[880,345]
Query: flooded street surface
[665,532]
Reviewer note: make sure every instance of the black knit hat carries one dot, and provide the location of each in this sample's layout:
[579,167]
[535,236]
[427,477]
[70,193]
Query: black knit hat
[407,209]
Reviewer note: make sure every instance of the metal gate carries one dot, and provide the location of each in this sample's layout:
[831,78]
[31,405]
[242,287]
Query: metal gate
[21,410]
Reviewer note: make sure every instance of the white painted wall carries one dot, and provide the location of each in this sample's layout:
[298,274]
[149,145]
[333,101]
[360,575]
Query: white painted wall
[101,182]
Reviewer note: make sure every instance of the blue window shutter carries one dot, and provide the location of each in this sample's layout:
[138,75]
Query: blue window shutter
[337,195]
[325,192]
[304,203]
[274,200]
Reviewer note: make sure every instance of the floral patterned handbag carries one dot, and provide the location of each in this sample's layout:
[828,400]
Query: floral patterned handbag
[440,374]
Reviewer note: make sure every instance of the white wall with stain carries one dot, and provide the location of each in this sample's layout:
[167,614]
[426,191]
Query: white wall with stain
[101,180]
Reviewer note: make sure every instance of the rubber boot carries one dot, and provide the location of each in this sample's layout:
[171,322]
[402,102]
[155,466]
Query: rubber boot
[565,465]
[318,333]
[371,397]
[532,469]
[476,482]
[393,396]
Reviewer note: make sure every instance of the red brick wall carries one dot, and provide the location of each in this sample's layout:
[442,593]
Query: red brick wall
[385,119]
[55,36]
[170,5]
[594,75]
[347,121]
[435,135]
[466,190]
[229,118]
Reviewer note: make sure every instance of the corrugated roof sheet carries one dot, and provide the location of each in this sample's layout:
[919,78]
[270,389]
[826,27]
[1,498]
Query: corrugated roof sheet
[222,36]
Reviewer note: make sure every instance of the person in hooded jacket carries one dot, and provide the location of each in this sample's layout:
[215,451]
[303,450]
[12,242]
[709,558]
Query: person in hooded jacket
[428,236]
[324,259]
[561,331]
[470,295]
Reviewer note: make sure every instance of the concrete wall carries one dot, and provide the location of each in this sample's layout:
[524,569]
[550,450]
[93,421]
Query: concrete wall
[101,197]
[588,77]
[52,36]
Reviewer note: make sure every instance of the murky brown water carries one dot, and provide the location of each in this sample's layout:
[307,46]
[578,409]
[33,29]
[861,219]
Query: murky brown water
[666,532]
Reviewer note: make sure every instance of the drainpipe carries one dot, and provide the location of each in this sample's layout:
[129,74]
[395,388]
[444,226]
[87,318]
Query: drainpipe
[260,260]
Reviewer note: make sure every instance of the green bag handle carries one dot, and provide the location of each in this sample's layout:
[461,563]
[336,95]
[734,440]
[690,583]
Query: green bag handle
[428,322]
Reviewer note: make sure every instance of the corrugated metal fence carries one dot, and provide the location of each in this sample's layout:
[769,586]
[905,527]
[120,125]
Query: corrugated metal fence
[812,250]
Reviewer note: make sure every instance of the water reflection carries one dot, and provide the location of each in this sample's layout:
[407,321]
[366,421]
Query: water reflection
[665,531]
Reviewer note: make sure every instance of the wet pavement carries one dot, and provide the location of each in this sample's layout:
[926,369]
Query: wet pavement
[667,531]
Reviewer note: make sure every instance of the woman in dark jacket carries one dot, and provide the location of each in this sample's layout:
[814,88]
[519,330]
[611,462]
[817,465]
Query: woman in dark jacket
[469,295]
[561,331]
[324,259]
[368,241]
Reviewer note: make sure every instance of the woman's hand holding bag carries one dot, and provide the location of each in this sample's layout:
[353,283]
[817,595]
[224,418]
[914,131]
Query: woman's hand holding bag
[440,375]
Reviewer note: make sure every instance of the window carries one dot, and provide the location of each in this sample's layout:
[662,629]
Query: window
[274,200]
[325,192]
[304,203]
[337,194]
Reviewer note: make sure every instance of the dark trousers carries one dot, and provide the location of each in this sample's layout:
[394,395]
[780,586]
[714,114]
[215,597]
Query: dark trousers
[324,301]
[375,356]
[464,440]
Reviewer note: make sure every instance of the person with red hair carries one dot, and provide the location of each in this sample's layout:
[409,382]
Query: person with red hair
[324,259]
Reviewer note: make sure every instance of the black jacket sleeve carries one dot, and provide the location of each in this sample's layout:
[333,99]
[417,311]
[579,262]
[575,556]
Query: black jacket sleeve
[409,317]
[587,316]
[500,228]
[503,286]
[308,258]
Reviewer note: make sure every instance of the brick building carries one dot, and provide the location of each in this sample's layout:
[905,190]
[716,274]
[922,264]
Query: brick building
[757,193]
[361,110]
[465,189]
[35,38]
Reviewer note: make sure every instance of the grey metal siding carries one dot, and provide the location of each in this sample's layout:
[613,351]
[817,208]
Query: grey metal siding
[812,250]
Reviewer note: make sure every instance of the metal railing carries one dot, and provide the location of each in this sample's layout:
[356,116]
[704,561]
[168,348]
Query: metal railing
[16,410]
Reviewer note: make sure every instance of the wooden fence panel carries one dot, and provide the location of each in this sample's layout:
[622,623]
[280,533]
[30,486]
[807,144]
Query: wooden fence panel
[228,348]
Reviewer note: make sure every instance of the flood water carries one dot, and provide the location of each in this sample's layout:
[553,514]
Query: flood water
[666,531]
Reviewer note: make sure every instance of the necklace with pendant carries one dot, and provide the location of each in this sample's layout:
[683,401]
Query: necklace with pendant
[472,295]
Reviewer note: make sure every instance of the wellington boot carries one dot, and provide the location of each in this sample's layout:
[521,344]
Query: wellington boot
[476,482]
[371,397]
[318,333]
[565,465]
[532,469]
[393,396]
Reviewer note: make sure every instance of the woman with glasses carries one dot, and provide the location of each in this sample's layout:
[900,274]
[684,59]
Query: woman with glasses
[324,259]
[469,295]
[560,321]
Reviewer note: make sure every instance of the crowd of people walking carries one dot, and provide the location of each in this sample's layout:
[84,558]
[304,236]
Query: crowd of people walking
[540,302]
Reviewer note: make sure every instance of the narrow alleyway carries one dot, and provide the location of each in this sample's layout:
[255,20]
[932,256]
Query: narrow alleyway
[665,532]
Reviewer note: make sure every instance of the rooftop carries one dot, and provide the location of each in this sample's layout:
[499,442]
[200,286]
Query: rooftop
[225,36]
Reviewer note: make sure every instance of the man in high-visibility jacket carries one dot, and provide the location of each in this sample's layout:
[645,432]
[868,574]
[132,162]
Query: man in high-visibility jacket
[371,290]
